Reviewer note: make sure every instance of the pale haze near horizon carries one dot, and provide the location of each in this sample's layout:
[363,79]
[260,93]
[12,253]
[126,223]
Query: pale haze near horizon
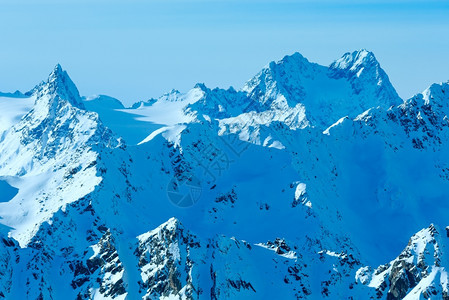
[136,50]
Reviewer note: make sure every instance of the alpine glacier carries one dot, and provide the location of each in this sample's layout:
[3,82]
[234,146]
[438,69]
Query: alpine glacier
[309,182]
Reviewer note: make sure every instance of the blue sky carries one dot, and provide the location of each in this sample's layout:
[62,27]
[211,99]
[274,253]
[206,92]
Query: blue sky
[135,50]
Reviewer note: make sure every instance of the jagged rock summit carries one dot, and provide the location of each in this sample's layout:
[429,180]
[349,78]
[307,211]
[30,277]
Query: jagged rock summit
[349,86]
[60,86]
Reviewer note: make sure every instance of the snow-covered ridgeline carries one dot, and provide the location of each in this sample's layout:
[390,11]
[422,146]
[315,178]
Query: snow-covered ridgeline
[302,177]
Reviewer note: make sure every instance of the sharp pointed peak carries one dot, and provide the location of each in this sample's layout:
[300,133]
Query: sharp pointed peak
[58,72]
[171,225]
[59,84]
[57,68]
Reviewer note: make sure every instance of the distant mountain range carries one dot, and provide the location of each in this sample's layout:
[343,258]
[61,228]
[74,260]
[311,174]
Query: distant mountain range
[309,182]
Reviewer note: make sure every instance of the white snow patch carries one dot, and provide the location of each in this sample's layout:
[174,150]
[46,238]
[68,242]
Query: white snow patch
[12,110]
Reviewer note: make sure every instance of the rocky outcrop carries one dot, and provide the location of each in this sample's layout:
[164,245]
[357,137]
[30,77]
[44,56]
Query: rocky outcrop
[419,271]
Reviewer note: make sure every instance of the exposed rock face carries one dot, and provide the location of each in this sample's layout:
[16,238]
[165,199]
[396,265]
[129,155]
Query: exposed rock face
[8,258]
[419,271]
[166,263]
[101,270]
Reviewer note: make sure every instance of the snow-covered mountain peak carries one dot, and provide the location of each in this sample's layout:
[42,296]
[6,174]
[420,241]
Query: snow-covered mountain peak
[55,146]
[356,60]
[296,60]
[431,106]
[271,78]
[59,86]
[366,76]
[171,96]
[348,87]
[57,71]
[171,225]
[437,94]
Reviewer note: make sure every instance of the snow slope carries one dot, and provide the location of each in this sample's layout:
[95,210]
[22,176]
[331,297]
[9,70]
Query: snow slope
[13,108]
